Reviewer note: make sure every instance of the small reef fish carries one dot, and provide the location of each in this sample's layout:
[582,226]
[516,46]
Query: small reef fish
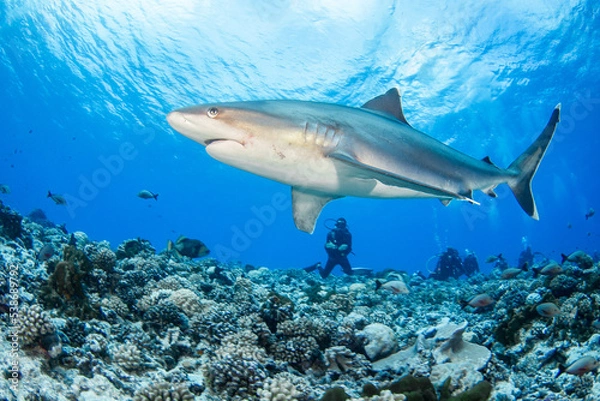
[361,271]
[58,199]
[4,189]
[478,301]
[45,253]
[145,194]
[493,258]
[580,366]
[395,286]
[514,271]
[582,259]
[547,309]
[550,269]
[192,248]
[590,213]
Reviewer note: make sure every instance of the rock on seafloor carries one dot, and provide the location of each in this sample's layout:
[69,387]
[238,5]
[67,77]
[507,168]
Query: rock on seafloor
[95,322]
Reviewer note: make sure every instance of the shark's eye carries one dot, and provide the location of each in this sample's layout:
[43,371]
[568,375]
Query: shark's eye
[212,112]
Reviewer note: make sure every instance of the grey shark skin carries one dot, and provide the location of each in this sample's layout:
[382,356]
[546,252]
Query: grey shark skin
[327,151]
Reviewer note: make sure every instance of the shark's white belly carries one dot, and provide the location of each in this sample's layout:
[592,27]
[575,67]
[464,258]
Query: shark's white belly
[306,168]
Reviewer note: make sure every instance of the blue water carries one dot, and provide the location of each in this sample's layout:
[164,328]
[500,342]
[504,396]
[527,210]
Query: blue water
[86,87]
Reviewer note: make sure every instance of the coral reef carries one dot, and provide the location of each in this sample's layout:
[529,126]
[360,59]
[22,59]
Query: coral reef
[130,324]
[33,324]
[279,388]
[164,392]
[10,223]
[379,340]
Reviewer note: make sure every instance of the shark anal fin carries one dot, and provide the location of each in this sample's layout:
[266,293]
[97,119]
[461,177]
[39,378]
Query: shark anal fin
[445,201]
[388,103]
[306,207]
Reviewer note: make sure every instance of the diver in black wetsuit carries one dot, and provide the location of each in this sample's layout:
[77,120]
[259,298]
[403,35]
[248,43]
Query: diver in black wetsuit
[337,246]
[449,265]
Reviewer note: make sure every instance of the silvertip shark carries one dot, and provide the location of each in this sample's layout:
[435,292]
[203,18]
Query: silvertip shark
[327,151]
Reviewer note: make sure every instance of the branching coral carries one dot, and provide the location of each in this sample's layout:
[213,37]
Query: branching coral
[299,351]
[101,256]
[115,304]
[237,368]
[96,343]
[165,315]
[186,300]
[33,323]
[128,356]
[279,389]
[321,330]
[164,391]
[214,325]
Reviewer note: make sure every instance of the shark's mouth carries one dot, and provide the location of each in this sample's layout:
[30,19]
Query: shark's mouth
[209,142]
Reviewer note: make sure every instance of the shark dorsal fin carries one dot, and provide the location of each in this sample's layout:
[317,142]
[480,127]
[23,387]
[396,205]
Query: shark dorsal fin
[306,207]
[388,103]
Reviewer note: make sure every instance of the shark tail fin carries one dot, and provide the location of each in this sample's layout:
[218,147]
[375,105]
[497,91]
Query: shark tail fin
[526,165]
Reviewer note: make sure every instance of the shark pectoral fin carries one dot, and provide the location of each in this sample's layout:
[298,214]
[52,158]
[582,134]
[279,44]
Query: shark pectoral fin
[306,207]
[388,103]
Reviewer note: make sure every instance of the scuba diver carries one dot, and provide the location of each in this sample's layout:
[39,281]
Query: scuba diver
[450,265]
[470,264]
[338,245]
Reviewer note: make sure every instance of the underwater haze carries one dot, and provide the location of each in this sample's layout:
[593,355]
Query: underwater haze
[86,87]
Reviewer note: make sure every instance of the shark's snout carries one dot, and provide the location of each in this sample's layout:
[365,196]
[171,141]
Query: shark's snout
[175,118]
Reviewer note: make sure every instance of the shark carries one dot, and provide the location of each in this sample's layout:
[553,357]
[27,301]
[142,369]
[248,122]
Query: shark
[327,151]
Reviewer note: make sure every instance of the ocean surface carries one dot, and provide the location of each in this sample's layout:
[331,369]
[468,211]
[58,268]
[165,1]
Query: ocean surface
[86,87]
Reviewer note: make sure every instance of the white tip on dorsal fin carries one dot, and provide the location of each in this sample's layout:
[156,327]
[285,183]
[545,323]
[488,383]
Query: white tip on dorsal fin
[388,103]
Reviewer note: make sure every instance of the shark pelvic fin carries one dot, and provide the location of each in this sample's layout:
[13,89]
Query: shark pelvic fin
[490,192]
[526,165]
[306,208]
[388,103]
